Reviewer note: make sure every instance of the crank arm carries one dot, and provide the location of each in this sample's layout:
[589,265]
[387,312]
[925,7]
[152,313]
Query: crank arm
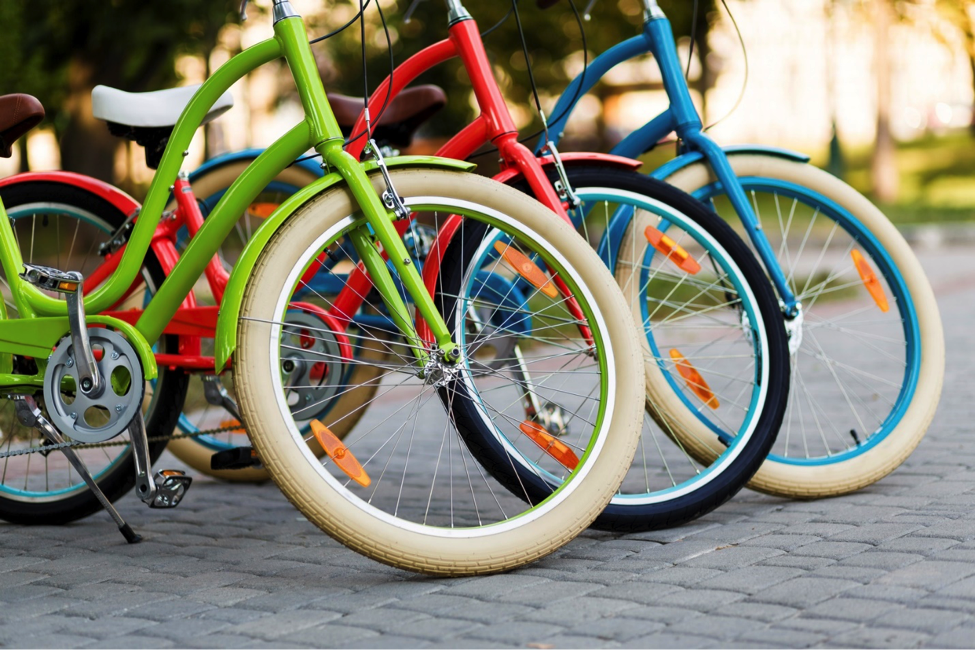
[70,284]
[31,416]
[168,487]
[145,487]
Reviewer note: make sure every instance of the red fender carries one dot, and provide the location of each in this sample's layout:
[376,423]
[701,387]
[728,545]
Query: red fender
[110,193]
[577,158]
[431,268]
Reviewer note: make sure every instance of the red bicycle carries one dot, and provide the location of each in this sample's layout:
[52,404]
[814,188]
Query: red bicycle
[701,297]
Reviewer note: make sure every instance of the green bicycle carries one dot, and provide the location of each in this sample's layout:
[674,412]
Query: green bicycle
[428,505]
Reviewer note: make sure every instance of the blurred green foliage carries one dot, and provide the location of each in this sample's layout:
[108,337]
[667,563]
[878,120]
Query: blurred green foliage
[51,47]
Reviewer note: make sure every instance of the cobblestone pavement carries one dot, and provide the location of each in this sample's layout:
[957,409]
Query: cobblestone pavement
[893,565]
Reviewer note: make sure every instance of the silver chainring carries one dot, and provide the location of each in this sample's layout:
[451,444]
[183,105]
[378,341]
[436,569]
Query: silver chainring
[311,364]
[94,418]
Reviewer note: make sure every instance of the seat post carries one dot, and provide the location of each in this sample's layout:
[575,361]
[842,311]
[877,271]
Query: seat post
[652,10]
[456,12]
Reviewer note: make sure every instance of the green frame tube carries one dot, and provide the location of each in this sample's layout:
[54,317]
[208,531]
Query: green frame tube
[319,130]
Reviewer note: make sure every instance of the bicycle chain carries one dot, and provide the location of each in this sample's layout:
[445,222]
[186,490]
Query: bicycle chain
[114,443]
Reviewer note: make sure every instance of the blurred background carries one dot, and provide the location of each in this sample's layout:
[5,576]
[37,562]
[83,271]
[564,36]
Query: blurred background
[880,92]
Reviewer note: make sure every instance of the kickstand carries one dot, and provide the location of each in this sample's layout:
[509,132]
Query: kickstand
[31,416]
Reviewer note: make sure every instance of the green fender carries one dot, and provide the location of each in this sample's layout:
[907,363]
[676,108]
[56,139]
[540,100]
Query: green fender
[226,338]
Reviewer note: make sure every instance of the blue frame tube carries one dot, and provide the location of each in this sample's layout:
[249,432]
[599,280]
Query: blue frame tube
[598,67]
[681,117]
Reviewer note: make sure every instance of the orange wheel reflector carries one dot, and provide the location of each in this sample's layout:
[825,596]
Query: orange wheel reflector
[340,454]
[238,427]
[262,210]
[550,445]
[694,380]
[672,250]
[870,280]
[526,269]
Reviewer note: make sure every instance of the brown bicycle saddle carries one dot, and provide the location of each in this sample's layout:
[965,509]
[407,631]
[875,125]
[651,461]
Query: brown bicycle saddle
[402,117]
[18,115]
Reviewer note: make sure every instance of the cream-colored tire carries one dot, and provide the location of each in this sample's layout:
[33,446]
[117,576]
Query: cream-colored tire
[504,545]
[809,481]
[196,454]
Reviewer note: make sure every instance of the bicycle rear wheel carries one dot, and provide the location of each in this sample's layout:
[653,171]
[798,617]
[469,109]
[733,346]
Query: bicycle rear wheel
[716,364]
[427,505]
[868,354]
[62,225]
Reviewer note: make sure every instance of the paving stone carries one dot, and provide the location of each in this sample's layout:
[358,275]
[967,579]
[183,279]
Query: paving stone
[682,576]
[831,549]
[281,624]
[875,533]
[803,592]
[957,638]
[854,609]
[757,611]
[878,559]
[931,621]
[328,636]
[782,638]
[879,638]
[860,574]
[667,640]
[732,557]
[929,575]
[616,629]
[715,626]
[518,632]
[751,579]
[782,542]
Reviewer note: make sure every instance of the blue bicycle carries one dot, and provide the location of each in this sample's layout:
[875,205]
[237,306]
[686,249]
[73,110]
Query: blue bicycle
[865,334]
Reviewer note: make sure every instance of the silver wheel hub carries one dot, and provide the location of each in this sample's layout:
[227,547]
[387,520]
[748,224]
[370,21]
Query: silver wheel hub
[793,327]
[312,366]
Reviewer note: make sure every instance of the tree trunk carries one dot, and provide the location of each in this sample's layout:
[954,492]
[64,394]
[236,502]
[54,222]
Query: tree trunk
[86,145]
[24,163]
[968,29]
[883,165]
[971,65]
[702,49]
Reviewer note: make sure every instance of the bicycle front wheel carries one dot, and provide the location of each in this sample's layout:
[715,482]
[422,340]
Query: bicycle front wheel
[868,353]
[415,497]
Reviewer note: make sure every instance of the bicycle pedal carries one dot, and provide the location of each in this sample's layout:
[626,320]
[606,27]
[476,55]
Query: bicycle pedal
[236,458]
[171,487]
[46,277]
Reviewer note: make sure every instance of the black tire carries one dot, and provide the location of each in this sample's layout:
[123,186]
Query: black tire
[170,389]
[632,518]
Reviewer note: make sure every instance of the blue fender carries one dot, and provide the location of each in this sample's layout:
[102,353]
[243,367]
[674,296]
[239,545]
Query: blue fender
[668,169]
[621,218]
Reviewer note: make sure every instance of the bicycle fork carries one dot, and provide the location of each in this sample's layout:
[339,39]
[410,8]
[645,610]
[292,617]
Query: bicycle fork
[379,228]
[791,306]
